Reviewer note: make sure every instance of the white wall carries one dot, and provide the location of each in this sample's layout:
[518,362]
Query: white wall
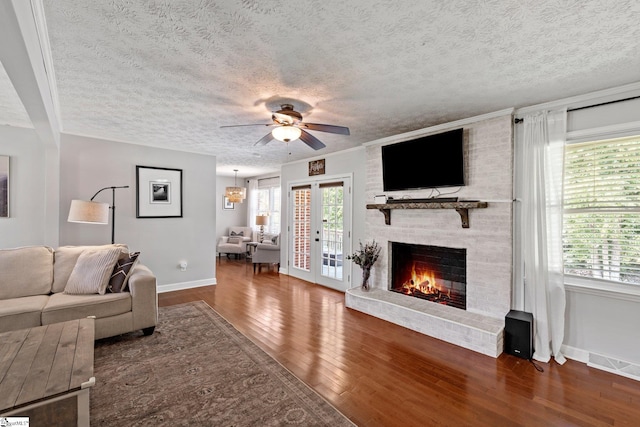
[26,223]
[346,162]
[87,165]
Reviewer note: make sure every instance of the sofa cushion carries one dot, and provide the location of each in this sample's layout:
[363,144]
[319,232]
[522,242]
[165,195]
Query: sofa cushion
[65,259]
[92,271]
[25,271]
[271,238]
[121,272]
[62,307]
[21,313]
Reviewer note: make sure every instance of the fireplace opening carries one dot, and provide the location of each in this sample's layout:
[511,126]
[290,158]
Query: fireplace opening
[432,273]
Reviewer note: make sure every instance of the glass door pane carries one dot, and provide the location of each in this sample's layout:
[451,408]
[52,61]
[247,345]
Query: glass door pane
[301,228]
[332,196]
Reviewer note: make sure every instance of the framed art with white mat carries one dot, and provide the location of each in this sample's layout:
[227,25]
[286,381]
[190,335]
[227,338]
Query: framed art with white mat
[158,192]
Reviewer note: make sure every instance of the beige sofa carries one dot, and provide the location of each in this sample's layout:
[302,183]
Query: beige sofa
[32,291]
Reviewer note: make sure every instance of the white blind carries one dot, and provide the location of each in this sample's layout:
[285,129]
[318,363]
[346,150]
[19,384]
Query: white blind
[602,210]
[269,182]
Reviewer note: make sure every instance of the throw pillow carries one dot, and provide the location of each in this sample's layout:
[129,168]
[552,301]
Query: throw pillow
[233,240]
[274,239]
[91,273]
[65,259]
[120,276]
[239,233]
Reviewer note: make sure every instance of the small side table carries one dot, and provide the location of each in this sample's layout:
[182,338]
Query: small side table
[251,248]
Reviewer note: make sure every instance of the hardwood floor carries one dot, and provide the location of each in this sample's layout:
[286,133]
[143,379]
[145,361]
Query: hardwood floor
[380,374]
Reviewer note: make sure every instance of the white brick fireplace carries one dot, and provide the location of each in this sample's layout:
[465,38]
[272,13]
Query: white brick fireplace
[488,242]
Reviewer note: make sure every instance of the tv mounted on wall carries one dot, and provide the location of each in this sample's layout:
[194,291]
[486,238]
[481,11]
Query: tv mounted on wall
[426,162]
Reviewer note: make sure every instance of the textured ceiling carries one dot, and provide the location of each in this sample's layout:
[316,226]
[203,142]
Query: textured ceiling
[169,73]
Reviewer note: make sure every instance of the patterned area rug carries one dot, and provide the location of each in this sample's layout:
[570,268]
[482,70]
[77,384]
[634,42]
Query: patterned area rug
[198,370]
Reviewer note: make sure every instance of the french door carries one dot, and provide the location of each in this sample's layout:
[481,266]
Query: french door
[320,231]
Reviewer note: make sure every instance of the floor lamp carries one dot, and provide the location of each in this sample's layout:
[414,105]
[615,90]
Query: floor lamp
[95,212]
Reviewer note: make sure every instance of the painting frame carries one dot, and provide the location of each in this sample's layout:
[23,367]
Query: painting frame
[317,167]
[227,205]
[158,192]
[5,185]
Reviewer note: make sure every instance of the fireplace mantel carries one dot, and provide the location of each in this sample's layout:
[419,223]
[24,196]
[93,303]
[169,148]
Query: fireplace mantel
[461,207]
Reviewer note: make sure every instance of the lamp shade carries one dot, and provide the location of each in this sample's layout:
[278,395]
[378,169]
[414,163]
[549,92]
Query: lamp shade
[286,133]
[88,212]
[236,194]
[262,220]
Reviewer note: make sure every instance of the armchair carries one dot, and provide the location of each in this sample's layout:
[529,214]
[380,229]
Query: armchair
[235,242]
[267,252]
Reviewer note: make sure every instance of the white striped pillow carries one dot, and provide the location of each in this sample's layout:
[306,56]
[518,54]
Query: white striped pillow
[92,272]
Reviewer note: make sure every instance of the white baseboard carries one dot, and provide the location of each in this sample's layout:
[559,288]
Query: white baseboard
[575,354]
[186,285]
[604,363]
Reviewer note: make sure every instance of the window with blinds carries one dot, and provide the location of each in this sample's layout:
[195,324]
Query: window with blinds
[601,236]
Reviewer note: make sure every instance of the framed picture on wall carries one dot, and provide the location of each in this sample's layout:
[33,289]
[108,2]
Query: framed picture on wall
[316,167]
[158,192]
[4,186]
[226,204]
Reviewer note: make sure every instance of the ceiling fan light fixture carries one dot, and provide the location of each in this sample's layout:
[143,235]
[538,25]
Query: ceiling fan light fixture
[286,133]
[235,194]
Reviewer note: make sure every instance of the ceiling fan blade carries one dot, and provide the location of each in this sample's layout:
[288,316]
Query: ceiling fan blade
[265,139]
[326,128]
[311,140]
[254,124]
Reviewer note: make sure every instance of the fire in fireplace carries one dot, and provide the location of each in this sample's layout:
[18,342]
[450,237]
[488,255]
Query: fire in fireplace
[433,273]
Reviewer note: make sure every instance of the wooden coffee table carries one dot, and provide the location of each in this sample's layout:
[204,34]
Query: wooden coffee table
[46,373]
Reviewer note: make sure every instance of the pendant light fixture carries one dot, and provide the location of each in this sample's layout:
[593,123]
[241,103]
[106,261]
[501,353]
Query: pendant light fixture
[235,194]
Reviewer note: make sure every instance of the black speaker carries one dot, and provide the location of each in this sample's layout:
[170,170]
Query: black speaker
[518,334]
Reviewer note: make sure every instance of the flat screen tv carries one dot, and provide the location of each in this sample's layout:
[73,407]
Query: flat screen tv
[426,162]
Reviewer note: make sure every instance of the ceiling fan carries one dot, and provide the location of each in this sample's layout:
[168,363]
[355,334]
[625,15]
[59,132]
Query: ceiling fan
[289,127]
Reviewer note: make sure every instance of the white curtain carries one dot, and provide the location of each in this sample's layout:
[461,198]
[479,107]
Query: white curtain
[543,152]
[252,208]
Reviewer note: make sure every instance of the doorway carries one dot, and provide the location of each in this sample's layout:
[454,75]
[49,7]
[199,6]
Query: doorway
[320,231]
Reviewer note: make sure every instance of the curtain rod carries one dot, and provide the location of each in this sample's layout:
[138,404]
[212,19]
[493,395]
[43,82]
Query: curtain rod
[520,120]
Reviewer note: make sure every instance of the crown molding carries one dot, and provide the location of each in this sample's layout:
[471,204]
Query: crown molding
[585,100]
[439,128]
